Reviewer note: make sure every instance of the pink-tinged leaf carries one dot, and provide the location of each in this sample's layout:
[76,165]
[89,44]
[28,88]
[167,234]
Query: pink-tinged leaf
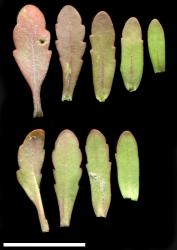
[32,41]
[70,34]
[30,159]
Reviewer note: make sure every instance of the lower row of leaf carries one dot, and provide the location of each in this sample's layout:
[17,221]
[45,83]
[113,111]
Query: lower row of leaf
[67,158]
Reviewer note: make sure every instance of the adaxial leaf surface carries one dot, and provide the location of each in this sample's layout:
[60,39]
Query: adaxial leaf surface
[132,55]
[99,168]
[156,45]
[103,55]
[30,159]
[66,159]
[70,34]
[128,166]
[32,41]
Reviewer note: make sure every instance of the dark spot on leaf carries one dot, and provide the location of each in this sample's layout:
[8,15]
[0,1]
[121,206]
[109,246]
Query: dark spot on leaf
[41,41]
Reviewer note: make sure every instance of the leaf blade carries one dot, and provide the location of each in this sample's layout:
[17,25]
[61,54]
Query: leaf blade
[30,160]
[32,56]
[103,55]
[132,61]
[70,34]
[127,160]
[66,158]
[156,45]
[99,168]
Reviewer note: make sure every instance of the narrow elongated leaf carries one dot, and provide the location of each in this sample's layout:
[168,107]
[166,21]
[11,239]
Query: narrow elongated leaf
[31,54]
[156,45]
[66,159]
[132,54]
[70,34]
[128,166]
[103,55]
[99,168]
[30,159]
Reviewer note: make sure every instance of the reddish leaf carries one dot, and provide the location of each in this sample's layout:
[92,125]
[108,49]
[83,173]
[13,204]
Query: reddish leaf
[70,33]
[32,55]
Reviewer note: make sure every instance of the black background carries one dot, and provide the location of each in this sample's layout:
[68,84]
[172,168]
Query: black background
[149,113]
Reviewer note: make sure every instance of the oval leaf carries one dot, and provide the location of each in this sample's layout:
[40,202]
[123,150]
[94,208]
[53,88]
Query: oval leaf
[103,55]
[132,54]
[128,166]
[32,41]
[156,45]
[70,34]
[30,159]
[66,159]
[99,168]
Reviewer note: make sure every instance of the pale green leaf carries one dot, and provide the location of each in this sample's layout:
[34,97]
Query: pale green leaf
[156,45]
[103,55]
[30,159]
[132,54]
[99,168]
[66,159]
[128,166]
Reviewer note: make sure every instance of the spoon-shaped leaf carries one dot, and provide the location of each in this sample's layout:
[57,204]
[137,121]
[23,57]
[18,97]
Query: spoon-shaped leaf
[99,168]
[70,34]
[132,54]
[31,54]
[156,45]
[30,159]
[103,55]
[66,159]
[128,166]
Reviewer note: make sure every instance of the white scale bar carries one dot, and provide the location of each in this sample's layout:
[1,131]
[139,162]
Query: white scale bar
[44,244]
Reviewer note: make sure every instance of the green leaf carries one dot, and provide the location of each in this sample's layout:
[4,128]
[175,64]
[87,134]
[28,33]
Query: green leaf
[156,45]
[132,54]
[103,55]
[30,159]
[128,166]
[99,168]
[70,34]
[66,159]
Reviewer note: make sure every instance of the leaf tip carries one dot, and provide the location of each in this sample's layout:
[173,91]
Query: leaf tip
[68,11]
[155,22]
[67,136]
[30,13]
[101,22]
[132,29]
[38,133]
[126,134]
[96,133]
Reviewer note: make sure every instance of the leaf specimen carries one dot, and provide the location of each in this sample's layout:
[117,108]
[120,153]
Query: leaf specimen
[70,34]
[99,168]
[156,45]
[30,159]
[32,40]
[103,55]
[128,166]
[66,159]
[132,54]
